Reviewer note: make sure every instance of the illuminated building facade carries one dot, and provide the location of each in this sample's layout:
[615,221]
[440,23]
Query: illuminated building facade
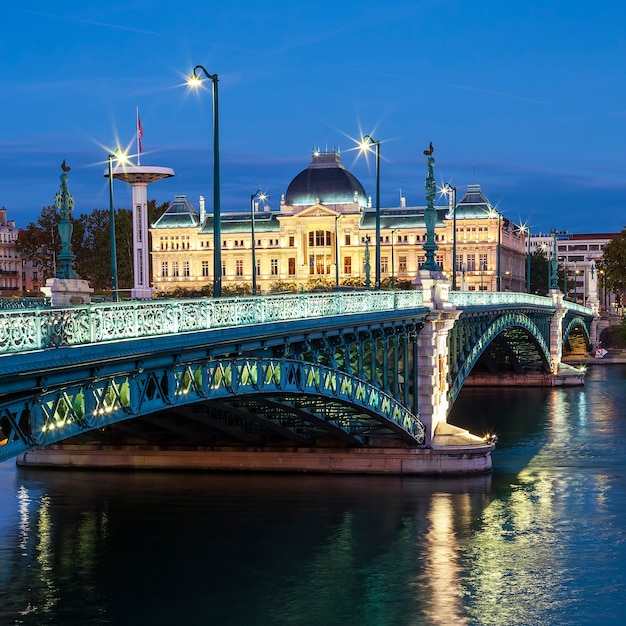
[323,234]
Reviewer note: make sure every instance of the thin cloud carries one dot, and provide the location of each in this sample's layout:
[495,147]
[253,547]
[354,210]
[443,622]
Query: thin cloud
[496,93]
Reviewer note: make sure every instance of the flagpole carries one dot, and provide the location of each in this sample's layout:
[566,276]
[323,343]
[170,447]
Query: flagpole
[138,139]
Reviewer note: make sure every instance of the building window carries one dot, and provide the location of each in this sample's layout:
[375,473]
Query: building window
[347,265]
[164,269]
[347,239]
[175,269]
[239,267]
[205,268]
[402,264]
[439,261]
[274,267]
[384,265]
[421,260]
[292,241]
[224,268]
[471,262]
[319,238]
[186,269]
[482,260]
[292,266]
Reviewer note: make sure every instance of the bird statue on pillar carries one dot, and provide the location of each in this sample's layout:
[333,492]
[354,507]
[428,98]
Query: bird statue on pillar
[64,167]
[430,150]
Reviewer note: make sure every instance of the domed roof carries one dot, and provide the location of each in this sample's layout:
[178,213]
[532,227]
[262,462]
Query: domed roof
[327,181]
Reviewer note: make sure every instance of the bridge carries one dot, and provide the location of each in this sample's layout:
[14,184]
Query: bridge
[357,380]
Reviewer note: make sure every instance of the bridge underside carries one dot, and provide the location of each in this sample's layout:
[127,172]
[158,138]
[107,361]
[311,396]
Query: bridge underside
[259,421]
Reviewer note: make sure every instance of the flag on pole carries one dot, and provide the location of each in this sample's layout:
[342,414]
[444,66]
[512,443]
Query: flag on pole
[139,137]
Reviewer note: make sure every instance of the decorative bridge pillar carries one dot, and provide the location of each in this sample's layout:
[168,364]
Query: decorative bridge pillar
[593,302]
[432,358]
[432,352]
[556,330]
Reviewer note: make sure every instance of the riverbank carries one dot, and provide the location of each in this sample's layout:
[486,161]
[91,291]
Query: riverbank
[612,357]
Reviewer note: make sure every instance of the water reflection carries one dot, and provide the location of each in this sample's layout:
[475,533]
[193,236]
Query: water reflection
[540,541]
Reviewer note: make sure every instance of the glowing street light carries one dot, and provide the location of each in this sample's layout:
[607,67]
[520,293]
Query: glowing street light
[195,81]
[261,196]
[450,192]
[492,214]
[121,158]
[525,229]
[364,146]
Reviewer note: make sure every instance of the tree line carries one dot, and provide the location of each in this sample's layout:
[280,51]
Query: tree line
[91,244]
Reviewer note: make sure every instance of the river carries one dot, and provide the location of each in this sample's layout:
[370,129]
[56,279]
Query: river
[540,540]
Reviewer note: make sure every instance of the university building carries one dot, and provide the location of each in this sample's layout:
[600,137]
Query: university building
[323,234]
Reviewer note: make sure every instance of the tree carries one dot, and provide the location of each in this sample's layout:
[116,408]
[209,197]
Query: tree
[91,244]
[539,273]
[39,242]
[613,265]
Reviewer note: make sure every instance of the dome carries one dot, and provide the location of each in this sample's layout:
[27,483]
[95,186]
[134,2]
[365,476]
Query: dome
[327,181]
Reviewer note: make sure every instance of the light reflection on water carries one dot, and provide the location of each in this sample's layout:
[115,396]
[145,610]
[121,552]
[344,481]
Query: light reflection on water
[539,541]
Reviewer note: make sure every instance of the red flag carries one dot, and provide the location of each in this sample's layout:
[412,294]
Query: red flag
[139,133]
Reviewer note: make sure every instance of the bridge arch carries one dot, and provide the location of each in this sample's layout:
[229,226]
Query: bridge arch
[576,322]
[62,413]
[497,326]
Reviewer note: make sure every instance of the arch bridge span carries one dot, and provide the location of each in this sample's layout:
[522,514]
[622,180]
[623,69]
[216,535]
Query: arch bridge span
[354,369]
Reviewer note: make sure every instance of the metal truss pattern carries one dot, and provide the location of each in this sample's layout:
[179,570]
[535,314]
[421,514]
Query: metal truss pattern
[60,414]
[36,329]
[474,332]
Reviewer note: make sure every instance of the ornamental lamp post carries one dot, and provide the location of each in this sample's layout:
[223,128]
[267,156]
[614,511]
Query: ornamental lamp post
[261,196]
[366,141]
[195,81]
[525,228]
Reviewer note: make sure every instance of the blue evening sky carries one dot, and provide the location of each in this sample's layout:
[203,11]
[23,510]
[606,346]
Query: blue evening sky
[524,97]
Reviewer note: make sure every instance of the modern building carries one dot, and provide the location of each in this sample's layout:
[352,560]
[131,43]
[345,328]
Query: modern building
[579,256]
[323,234]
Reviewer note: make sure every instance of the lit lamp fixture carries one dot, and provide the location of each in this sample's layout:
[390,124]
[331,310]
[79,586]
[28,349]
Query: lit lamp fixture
[120,157]
[195,81]
[261,196]
[450,192]
[364,146]
[525,229]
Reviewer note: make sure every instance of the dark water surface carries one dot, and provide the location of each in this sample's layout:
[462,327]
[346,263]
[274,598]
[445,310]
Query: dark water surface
[541,540]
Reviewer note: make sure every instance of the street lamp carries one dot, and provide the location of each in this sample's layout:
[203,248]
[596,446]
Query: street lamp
[337,218]
[393,258]
[525,228]
[114,293]
[195,81]
[450,192]
[492,213]
[366,141]
[258,193]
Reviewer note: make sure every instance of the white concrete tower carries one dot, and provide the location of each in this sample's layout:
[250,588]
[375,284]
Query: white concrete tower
[139,177]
